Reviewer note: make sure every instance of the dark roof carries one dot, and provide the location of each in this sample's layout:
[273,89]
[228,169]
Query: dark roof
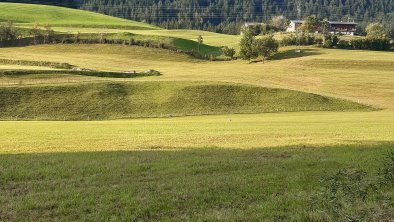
[253,23]
[297,21]
[342,23]
[331,22]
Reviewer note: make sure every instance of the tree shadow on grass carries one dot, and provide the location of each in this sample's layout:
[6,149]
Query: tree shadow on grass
[291,54]
[156,184]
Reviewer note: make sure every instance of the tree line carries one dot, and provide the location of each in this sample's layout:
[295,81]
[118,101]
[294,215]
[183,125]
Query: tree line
[226,16]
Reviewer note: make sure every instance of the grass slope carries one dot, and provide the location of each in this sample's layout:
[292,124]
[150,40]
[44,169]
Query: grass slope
[185,45]
[187,185]
[314,71]
[210,38]
[155,99]
[59,16]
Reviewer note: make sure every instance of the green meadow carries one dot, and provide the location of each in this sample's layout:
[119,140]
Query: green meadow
[201,141]
[27,14]
[310,129]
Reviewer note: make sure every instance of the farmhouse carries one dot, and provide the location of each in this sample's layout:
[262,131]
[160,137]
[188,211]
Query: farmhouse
[294,25]
[346,28]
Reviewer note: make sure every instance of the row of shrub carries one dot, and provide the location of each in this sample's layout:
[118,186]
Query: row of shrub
[93,39]
[366,43]
[334,41]
[302,39]
[82,73]
[380,44]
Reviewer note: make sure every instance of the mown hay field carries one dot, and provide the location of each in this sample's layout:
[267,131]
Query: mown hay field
[361,76]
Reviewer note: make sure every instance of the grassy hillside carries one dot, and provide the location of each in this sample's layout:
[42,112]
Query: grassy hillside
[210,38]
[155,99]
[184,45]
[338,73]
[59,16]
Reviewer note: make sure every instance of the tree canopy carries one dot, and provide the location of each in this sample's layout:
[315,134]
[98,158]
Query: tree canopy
[227,16]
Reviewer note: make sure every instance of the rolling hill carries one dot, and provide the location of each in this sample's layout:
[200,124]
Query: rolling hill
[59,16]
[156,99]
[289,127]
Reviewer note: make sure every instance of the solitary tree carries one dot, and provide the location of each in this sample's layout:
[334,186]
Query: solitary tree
[247,50]
[376,31]
[311,24]
[200,41]
[325,27]
[266,46]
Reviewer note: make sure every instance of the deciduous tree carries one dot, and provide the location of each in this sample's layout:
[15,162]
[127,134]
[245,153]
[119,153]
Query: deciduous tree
[247,51]
[311,24]
[266,46]
[376,31]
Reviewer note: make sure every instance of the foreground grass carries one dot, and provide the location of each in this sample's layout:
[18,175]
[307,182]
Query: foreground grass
[192,184]
[228,131]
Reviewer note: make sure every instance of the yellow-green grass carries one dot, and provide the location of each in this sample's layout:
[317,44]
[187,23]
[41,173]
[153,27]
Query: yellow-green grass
[22,67]
[156,99]
[310,129]
[362,76]
[187,185]
[59,16]
[47,79]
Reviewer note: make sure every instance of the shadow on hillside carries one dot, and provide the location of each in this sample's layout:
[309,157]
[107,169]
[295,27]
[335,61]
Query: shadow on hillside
[291,54]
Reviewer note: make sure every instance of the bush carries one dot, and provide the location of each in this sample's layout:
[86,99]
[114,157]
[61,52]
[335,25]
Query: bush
[8,32]
[371,44]
[266,46]
[353,195]
[345,194]
[304,39]
[331,41]
[229,52]
[289,40]
[343,44]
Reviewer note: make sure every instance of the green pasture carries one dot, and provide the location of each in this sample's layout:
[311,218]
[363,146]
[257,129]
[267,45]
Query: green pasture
[59,16]
[310,129]
[203,141]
